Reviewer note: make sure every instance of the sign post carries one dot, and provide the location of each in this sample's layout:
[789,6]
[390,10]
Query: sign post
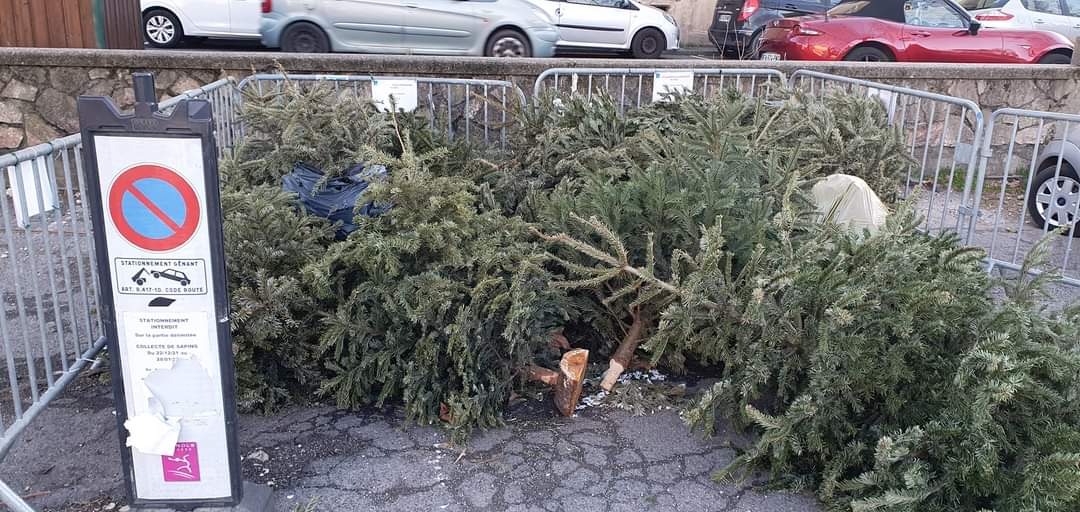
[152,186]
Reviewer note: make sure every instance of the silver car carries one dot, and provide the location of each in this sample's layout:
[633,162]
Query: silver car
[498,28]
[1054,196]
[1061,16]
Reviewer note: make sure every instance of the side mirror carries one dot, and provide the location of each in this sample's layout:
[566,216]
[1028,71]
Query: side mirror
[974,27]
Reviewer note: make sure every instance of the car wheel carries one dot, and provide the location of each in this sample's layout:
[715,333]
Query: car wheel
[1054,202]
[304,37]
[156,274]
[140,281]
[508,43]
[1055,58]
[184,282]
[868,54]
[162,29]
[753,48]
[648,44]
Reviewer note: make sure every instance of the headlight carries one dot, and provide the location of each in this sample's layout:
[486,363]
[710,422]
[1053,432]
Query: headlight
[670,19]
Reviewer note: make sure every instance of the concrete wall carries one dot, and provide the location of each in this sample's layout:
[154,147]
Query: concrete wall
[38,87]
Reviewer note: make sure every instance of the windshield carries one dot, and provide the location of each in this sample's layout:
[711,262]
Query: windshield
[891,10]
[976,5]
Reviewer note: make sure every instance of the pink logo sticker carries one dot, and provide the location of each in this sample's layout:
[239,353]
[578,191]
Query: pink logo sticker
[183,466]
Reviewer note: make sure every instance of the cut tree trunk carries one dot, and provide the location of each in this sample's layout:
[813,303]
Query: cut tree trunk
[566,382]
[571,377]
[623,355]
[559,342]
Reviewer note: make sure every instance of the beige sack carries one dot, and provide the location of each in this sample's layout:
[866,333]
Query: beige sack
[857,206]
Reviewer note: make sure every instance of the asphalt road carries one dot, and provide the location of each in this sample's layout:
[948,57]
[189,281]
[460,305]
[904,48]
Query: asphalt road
[598,461]
[212,45]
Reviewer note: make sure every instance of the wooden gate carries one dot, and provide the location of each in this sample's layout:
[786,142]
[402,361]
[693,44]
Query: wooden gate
[70,23]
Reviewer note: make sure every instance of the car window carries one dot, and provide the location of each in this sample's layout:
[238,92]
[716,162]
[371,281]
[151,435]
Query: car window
[978,5]
[1045,6]
[932,13]
[1073,6]
[600,3]
[890,10]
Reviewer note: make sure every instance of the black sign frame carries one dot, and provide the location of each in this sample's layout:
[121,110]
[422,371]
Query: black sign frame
[191,118]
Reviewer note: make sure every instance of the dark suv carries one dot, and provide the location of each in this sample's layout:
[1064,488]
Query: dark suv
[737,24]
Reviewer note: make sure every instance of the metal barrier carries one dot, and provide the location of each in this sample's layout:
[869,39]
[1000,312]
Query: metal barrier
[941,134]
[632,87]
[54,330]
[51,325]
[474,109]
[1036,191]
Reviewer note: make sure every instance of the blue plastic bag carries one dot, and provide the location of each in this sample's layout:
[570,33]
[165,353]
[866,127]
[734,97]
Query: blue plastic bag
[338,198]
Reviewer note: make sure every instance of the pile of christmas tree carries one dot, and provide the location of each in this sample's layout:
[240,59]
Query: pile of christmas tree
[874,367]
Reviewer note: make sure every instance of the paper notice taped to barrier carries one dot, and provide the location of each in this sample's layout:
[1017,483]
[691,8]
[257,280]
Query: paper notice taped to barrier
[671,82]
[25,193]
[401,93]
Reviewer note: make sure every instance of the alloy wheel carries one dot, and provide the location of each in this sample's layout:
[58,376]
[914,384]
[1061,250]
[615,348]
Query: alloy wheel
[508,47]
[1057,201]
[160,29]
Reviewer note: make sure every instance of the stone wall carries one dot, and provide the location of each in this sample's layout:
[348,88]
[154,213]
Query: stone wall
[38,87]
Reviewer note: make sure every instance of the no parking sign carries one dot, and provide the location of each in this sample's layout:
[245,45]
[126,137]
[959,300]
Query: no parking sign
[153,207]
[152,188]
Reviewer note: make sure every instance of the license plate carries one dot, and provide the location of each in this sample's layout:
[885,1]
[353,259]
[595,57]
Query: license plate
[723,18]
[770,56]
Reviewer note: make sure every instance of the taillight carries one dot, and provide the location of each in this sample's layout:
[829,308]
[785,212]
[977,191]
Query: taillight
[267,6]
[996,15]
[748,8]
[799,30]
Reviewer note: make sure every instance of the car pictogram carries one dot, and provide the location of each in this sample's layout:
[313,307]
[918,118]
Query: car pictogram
[173,275]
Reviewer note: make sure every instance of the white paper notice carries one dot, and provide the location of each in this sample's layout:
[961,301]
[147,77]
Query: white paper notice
[26,198]
[671,82]
[402,91]
[152,433]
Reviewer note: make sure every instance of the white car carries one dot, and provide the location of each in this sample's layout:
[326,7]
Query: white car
[1061,16]
[612,25]
[167,22]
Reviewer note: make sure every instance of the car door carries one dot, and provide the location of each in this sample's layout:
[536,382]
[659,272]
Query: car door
[207,16]
[244,16]
[1050,15]
[368,25]
[596,23]
[934,31]
[1072,10]
[439,26]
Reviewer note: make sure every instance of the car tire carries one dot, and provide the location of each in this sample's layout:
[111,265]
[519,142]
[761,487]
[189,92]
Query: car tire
[868,54]
[1065,194]
[184,282]
[648,43]
[156,274]
[1055,58]
[140,281]
[753,47]
[303,37]
[162,29]
[508,43]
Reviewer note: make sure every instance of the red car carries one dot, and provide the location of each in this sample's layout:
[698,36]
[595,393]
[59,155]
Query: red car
[907,31]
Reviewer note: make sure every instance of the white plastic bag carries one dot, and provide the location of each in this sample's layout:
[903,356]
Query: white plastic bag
[852,203]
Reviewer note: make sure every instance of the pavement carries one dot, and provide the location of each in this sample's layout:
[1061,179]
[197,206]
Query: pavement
[317,458]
